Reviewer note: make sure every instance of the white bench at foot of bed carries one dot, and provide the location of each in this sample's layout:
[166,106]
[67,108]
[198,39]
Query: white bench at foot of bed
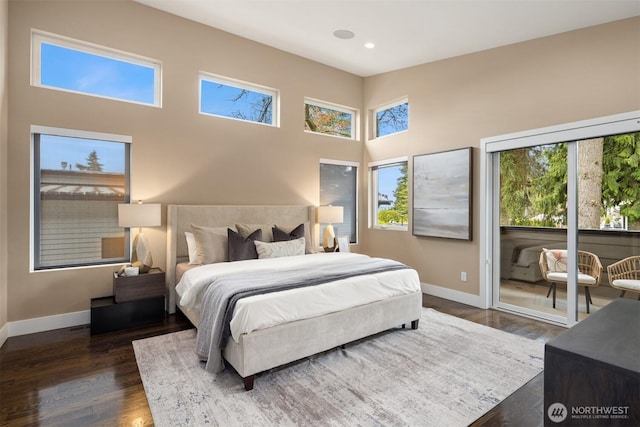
[269,348]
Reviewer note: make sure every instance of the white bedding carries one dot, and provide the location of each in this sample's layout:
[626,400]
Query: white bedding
[263,311]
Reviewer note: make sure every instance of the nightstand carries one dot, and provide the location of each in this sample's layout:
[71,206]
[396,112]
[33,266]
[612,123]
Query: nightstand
[142,286]
[137,300]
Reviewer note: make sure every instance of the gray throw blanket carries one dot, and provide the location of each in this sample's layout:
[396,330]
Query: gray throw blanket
[222,294]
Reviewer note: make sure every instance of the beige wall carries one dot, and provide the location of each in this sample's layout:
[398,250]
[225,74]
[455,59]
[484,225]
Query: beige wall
[4,24]
[178,155]
[454,103]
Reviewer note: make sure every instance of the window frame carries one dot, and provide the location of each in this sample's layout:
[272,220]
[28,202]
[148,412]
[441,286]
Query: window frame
[388,106]
[38,37]
[35,208]
[355,117]
[373,192]
[240,84]
[356,196]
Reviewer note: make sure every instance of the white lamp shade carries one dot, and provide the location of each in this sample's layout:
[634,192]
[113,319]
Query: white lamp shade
[139,215]
[331,214]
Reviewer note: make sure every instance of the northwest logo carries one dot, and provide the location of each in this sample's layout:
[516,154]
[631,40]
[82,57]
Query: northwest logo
[557,412]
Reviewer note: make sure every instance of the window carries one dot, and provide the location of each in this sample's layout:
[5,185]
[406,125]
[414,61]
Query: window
[79,180]
[338,187]
[238,100]
[65,64]
[329,119]
[389,194]
[391,118]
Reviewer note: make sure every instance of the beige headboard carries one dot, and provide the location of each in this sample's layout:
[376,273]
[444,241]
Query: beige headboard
[180,218]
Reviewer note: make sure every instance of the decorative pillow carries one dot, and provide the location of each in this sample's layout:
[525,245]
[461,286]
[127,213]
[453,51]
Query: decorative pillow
[556,260]
[280,235]
[191,247]
[246,229]
[241,248]
[280,249]
[211,244]
[309,249]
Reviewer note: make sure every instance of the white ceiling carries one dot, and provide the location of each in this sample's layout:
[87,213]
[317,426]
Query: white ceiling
[405,32]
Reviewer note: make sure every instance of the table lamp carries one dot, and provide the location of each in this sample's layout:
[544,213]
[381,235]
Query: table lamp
[140,215]
[330,215]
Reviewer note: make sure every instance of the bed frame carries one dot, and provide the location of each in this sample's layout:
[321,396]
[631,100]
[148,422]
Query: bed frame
[269,348]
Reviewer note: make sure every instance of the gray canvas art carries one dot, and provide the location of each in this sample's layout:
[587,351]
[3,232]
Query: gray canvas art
[442,194]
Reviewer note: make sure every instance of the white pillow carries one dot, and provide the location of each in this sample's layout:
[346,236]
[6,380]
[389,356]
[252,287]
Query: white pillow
[211,244]
[556,260]
[191,247]
[280,249]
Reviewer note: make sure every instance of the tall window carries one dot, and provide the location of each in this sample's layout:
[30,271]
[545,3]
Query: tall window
[65,64]
[79,180]
[389,194]
[391,118]
[233,99]
[330,119]
[338,187]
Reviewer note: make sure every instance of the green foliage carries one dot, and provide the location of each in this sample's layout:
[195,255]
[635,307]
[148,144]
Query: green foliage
[621,174]
[551,186]
[93,163]
[398,213]
[533,182]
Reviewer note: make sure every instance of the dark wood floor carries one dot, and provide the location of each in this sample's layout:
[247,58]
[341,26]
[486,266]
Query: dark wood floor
[69,378]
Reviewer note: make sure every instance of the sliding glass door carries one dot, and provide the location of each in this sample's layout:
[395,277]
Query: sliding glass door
[532,190]
[562,205]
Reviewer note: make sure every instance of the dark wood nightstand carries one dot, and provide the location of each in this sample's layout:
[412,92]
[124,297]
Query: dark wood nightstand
[142,286]
[137,300]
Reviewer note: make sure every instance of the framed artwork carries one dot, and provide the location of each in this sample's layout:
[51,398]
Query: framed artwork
[343,243]
[442,194]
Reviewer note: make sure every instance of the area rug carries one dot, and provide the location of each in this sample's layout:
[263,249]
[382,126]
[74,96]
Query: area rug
[448,372]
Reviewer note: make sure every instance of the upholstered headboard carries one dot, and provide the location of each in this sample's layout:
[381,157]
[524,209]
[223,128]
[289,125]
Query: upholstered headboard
[180,218]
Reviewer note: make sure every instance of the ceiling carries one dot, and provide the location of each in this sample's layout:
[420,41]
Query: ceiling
[405,32]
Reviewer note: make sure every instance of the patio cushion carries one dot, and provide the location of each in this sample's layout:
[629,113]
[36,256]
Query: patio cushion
[583,279]
[632,285]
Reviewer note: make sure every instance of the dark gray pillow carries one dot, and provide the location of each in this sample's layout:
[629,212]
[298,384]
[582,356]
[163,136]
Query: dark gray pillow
[280,235]
[241,248]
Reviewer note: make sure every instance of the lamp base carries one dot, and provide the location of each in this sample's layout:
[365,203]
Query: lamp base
[141,254]
[328,241]
[141,267]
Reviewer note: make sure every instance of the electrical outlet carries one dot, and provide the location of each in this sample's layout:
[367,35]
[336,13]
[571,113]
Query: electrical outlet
[463,276]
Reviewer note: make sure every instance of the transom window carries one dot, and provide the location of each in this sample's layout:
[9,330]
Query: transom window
[330,119]
[232,99]
[70,65]
[79,178]
[389,194]
[391,118]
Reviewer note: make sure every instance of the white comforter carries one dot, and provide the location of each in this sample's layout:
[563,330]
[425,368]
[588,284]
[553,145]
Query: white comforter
[263,311]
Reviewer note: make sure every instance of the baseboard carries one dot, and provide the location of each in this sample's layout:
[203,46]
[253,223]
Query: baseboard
[453,295]
[4,334]
[48,323]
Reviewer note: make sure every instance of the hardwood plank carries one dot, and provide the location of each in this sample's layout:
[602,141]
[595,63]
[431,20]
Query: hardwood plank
[69,377]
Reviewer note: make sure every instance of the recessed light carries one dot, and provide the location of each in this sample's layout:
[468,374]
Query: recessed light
[369,45]
[343,34]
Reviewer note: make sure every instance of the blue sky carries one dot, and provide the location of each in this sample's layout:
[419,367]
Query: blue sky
[57,149]
[388,180]
[84,72]
[217,98]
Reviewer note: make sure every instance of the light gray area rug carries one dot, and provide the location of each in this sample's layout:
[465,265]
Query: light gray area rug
[449,372]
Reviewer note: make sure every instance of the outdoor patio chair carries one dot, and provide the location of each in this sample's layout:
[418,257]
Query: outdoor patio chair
[625,275]
[553,266]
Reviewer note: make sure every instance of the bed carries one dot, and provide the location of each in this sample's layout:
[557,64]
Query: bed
[261,348]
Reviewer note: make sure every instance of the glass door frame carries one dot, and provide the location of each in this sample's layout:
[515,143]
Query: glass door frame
[490,203]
